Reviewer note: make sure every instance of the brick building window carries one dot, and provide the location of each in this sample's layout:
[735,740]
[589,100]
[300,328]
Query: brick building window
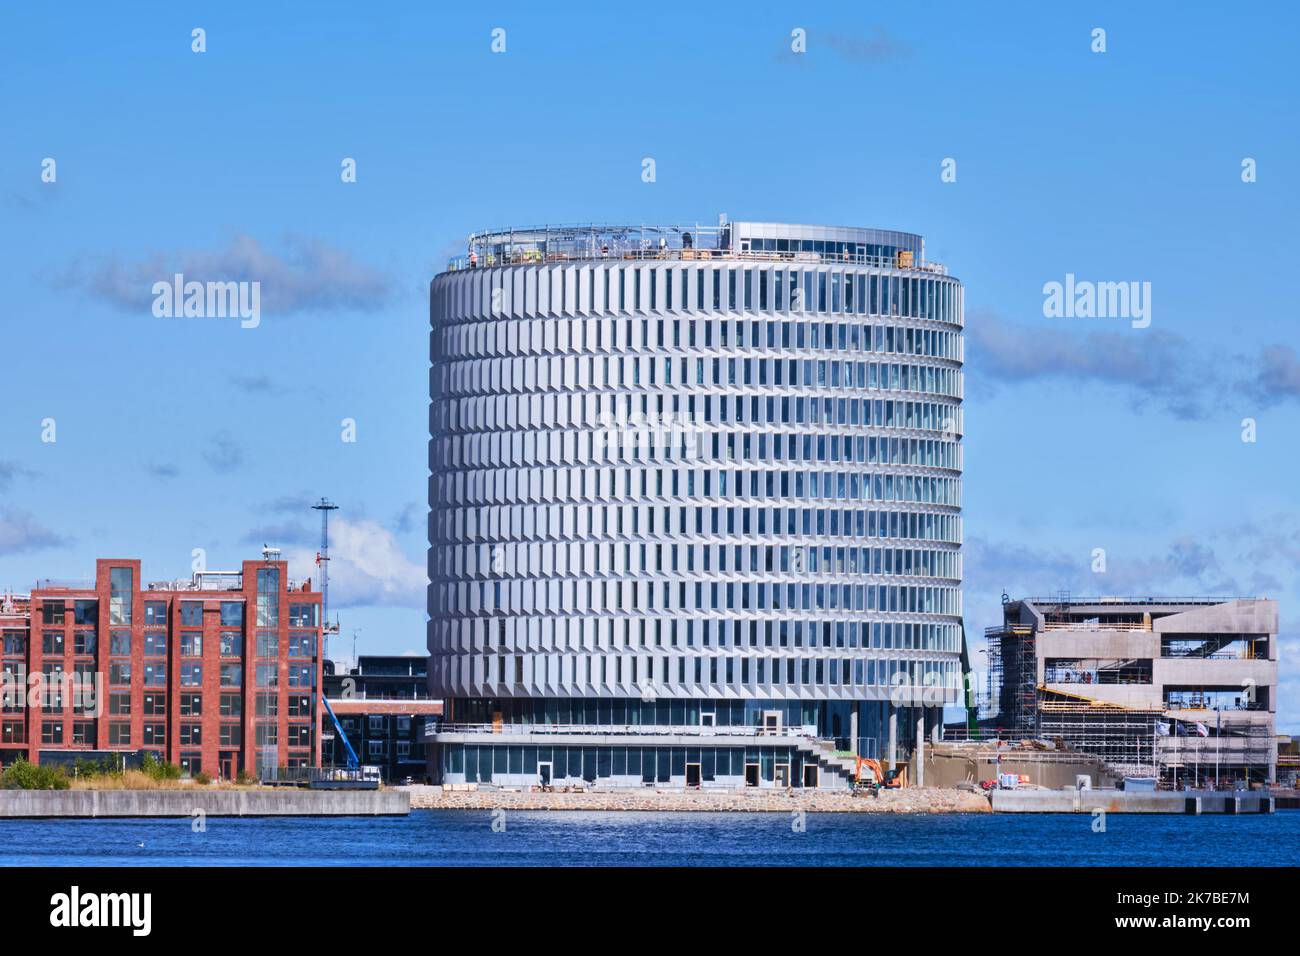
[13,732]
[119,734]
[191,735]
[191,705]
[300,735]
[119,705]
[155,675]
[268,705]
[86,612]
[192,613]
[119,642]
[230,735]
[84,643]
[232,705]
[119,673]
[232,644]
[302,615]
[155,735]
[191,644]
[302,645]
[51,732]
[268,597]
[121,592]
[83,732]
[153,705]
[52,643]
[52,612]
[232,675]
[155,614]
[232,613]
[155,644]
[191,675]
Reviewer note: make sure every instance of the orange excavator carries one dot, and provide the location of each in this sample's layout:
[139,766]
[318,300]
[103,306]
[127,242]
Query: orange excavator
[877,777]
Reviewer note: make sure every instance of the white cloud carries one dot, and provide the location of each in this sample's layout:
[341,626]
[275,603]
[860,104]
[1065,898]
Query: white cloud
[367,568]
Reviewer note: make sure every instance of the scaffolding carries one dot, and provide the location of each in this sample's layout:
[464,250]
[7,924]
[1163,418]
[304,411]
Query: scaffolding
[1013,677]
[1124,738]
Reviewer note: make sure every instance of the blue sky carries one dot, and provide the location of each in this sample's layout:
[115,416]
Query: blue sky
[175,434]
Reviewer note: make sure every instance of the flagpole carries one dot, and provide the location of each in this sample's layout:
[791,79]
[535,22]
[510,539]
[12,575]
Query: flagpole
[1218,742]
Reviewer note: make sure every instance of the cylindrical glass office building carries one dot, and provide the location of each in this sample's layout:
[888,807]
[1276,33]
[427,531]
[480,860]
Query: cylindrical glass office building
[695,503]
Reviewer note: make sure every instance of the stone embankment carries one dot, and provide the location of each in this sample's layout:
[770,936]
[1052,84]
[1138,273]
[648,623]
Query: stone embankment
[911,800]
[213,803]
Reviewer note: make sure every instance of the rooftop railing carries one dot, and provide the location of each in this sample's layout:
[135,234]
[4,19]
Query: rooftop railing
[683,730]
[548,244]
[1158,601]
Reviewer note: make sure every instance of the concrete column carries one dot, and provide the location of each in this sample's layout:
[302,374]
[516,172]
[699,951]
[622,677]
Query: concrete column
[892,756]
[920,747]
[938,724]
[853,730]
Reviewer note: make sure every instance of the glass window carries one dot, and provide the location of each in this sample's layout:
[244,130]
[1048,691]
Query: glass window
[232,613]
[52,612]
[120,595]
[268,597]
[192,613]
[191,644]
[191,675]
[155,613]
[86,612]
[232,644]
[302,645]
[302,615]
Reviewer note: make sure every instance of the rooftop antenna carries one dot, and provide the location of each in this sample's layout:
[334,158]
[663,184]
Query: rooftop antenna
[325,506]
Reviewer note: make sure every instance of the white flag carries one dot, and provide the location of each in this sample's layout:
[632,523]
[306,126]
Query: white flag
[1202,730]
[1162,728]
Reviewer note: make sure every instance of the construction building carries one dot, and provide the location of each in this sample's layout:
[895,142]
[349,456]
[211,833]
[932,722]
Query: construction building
[216,673]
[1179,688]
[383,705]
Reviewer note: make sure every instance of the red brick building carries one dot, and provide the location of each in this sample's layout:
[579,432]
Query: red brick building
[219,673]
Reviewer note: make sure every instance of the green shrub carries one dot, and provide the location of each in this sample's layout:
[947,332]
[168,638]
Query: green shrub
[22,775]
[83,768]
[244,778]
[203,777]
[157,769]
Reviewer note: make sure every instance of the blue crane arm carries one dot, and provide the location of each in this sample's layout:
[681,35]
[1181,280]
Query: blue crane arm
[353,761]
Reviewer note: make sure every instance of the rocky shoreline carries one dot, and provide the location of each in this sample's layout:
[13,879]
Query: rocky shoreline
[910,800]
